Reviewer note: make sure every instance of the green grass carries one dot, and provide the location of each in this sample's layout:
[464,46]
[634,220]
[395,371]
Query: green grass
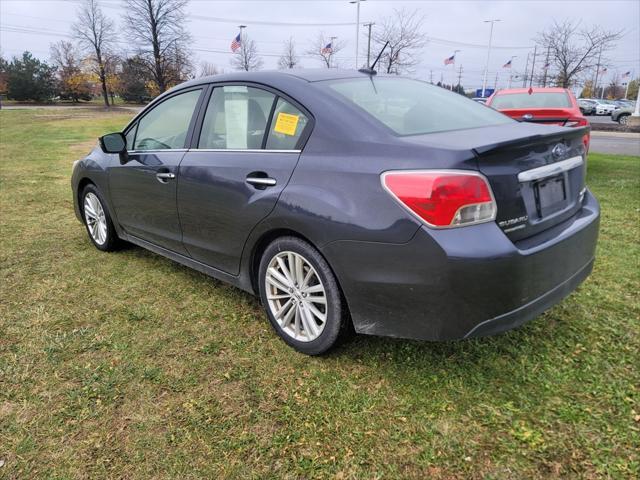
[127,365]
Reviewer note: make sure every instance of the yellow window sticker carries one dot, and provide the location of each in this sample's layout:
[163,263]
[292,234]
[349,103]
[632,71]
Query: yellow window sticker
[286,123]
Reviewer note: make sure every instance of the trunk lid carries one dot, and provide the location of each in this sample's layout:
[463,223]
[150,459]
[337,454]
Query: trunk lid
[536,172]
[547,116]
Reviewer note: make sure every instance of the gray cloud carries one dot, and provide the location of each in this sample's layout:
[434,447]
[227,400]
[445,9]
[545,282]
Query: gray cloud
[451,25]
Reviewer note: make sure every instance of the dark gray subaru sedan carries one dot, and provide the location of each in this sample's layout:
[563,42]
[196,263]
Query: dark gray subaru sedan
[346,199]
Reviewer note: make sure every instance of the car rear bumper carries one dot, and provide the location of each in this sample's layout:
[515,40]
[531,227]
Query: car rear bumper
[465,282]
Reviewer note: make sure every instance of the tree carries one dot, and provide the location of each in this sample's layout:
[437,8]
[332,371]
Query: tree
[632,94]
[133,79]
[574,50]
[289,59]
[4,72]
[209,69]
[587,90]
[614,89]
[156,27]
[96,34]
[30,79]
[246,57]
[404,33]
[73,83]
[321,51]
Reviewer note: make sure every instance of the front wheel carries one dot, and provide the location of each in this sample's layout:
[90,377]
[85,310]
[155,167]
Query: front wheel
[623,119]
[97,220]
[301,296]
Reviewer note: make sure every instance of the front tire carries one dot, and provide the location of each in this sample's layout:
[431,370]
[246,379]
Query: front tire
[301,296]
[97,220]
[623,119]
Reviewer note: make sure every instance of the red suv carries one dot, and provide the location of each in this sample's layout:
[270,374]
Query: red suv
[551,106]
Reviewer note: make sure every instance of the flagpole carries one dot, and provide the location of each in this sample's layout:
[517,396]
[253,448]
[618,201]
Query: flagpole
[455,52]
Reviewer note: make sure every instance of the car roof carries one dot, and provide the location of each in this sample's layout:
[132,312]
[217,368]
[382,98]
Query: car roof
[507,91]
[268,76]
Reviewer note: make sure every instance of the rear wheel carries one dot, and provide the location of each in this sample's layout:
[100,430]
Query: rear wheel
[623,119]
[301,296]
[97,220]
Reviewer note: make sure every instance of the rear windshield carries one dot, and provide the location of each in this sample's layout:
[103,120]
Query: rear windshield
[535,100]
[411,107]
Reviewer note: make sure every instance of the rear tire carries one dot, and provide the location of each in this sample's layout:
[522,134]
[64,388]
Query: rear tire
[623,119]
[301,296]
[97,219]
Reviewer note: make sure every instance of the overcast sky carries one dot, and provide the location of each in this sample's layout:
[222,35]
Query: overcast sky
[449,25]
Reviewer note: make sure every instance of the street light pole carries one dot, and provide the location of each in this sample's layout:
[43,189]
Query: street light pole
[370,24]
[486,67]
[357,2]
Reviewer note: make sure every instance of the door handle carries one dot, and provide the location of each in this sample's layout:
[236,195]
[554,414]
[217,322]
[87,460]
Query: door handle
[261,181]
[164,176]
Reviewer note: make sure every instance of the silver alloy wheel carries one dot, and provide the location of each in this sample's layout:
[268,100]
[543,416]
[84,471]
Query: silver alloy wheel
[296,296]
[623,119]
[95,218]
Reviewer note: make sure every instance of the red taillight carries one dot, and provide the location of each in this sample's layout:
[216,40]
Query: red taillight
[576,122]
[443,198]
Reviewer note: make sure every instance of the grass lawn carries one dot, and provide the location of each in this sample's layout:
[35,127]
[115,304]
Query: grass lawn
[127,365]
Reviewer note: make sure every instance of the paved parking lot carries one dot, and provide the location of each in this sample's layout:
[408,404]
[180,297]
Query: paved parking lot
[615,143]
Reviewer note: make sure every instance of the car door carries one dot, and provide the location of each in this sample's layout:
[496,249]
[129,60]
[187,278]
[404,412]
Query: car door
[247,148]
[143,189]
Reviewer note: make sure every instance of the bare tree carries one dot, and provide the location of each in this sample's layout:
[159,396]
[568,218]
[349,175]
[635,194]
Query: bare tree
[573,50]
[403,31]
[74,84]
[614,89]
[289,59]
[96,34]
[156,27]
[325,49]
[246,57]
[208,69]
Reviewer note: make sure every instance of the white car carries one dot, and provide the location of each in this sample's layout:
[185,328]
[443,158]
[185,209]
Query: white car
[603,107]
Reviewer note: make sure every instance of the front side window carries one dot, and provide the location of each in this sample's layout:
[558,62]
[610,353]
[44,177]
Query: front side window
[236,118]
[286,127]
[410,107]
[166,125]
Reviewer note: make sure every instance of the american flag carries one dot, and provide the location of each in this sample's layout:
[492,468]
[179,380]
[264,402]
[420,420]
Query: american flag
[327,49]
[235,44]
[626,74]
[450,60]
[507,65]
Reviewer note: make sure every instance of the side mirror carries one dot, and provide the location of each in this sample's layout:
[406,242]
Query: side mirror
[113,143]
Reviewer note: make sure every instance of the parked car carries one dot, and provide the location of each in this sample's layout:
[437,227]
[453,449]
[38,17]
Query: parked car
[548,106]
[587,107]
[603,107]
[346,199]
[622,115]
[622,103]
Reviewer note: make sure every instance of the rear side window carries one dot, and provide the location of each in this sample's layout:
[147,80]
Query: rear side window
[287,127]
[535,100]
[236,118]
[167,124]
[410,107]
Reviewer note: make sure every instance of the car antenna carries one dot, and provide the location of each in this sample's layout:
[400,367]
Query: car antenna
[370,70]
